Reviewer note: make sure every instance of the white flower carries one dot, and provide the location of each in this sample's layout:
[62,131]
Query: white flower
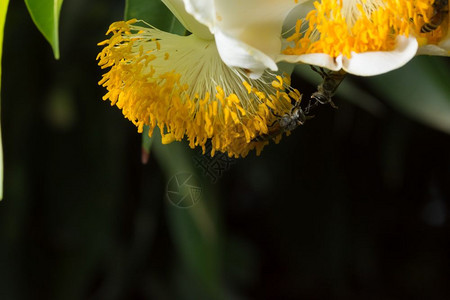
[362,37]
[212,85]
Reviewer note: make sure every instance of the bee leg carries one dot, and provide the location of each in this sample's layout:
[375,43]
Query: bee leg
[314,68]
[308,107]
[273,113]
[273,123]
[278,116]
[412,19]
[323,73]
[312,105]
[260,138]
[333,105]
[319,71]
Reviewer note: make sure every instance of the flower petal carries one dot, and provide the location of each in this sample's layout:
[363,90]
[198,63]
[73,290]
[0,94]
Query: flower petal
[238,54]
[188,21]
[316,59]
[362,64]
[203,11]
[254,25]
[433,50]
[445,44]
[442,49]
[379,62]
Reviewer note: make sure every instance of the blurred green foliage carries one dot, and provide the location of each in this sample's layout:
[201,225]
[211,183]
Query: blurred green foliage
[421,91]
[352,205]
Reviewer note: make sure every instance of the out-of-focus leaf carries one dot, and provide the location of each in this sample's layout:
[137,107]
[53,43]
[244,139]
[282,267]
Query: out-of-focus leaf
[155,13]
[45,15]
[3,10]
[421,90]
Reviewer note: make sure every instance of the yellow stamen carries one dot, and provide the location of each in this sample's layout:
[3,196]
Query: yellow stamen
[338,27]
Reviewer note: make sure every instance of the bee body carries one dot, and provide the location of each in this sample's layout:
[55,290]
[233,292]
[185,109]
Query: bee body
[440,12]
[327,89]
[287,122]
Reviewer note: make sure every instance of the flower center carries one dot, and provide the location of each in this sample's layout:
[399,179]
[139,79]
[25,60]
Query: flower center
[338,27]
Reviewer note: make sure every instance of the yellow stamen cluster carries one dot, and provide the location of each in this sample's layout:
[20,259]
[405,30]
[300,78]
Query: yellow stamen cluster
[338,27]
[181,85]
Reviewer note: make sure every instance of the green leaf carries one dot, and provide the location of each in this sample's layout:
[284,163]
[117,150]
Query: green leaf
[3,10]
[419,90]
[155,13]
[45,15]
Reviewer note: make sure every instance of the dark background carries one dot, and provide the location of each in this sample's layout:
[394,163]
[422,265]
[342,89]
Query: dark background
[353,205]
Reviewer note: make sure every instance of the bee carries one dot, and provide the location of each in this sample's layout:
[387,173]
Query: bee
[327,89]
[440,12]
[287,122]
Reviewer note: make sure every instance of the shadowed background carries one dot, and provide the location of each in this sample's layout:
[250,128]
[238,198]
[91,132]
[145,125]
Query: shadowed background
[353,205]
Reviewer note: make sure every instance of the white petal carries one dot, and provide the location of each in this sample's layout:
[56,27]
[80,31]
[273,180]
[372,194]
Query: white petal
[255,25]
[442,49]
[202,10]
[188,21]
[255,22]
[432,50]
[237,54]
[379,62]
[445,44]
[316,59]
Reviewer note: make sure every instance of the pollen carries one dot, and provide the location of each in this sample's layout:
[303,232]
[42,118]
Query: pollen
[180,85]
[340,27]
